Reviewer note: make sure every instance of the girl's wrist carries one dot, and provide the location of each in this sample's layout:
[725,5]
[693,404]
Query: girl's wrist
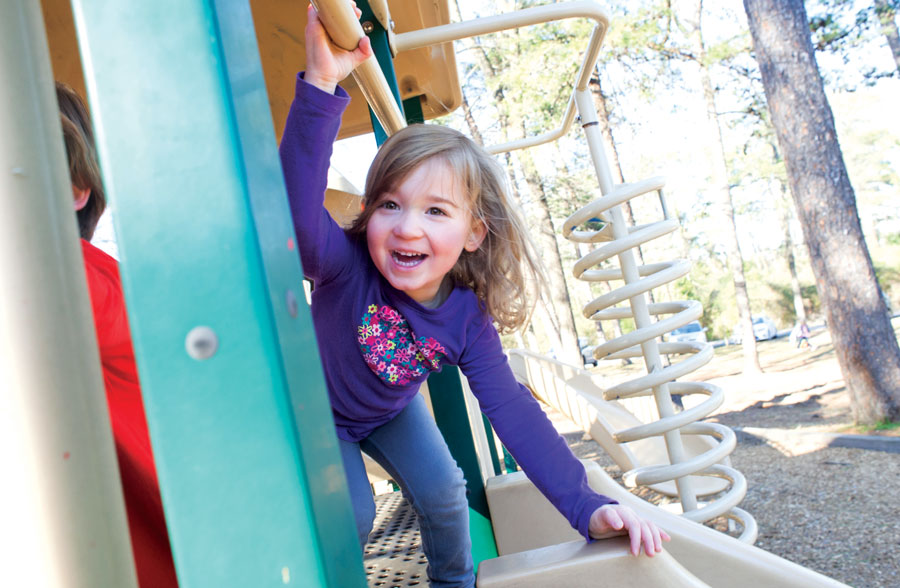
[321,82]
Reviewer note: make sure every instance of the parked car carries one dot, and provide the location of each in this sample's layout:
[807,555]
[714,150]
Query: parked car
[692,331]
[763,329]
[587,354]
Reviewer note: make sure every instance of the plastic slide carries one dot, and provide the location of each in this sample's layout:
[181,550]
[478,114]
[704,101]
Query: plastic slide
[534,538]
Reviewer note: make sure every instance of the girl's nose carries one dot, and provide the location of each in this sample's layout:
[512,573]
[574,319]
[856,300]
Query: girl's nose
[408,226]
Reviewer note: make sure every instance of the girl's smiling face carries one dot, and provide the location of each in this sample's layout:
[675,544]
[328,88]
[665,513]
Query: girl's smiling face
[419,229]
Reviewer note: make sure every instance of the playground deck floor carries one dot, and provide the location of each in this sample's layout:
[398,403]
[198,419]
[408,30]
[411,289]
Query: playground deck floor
[393,557]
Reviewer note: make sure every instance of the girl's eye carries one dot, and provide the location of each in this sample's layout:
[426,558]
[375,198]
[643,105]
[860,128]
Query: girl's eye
[437,211]
[388,205]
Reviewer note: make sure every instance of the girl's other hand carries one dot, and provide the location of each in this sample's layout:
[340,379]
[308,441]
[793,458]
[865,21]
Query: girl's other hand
[326,63]
[615,519]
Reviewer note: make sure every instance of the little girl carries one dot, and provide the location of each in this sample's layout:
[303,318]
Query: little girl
[417,282]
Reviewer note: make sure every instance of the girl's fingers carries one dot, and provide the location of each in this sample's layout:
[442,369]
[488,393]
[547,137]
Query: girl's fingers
[364,48]
[615,520]
[645,537]
[635,535]
[655,543]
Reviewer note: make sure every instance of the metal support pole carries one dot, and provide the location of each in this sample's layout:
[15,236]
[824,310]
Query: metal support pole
[650,348]
[61,506]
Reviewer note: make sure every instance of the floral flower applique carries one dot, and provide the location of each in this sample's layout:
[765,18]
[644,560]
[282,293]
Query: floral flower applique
[392,351]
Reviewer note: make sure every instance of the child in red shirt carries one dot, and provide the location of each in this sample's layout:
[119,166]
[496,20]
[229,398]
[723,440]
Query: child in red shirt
[146,521]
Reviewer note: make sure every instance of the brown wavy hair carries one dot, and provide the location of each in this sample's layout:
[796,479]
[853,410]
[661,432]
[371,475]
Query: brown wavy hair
[84,170]
[504,271]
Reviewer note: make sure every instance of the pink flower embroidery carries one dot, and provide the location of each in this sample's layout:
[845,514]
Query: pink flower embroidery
[391,350]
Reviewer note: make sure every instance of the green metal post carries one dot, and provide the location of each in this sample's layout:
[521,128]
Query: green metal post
[449,403]
[378,36]
[250,474]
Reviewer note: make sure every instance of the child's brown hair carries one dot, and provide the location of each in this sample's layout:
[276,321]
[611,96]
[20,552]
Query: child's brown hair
[503,272]
[84,170]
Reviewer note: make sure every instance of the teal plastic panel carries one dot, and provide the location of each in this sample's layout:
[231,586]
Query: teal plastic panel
[451,414]
[251,478]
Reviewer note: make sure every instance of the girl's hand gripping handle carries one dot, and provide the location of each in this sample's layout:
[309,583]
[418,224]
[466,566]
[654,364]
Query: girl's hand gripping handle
[326,63]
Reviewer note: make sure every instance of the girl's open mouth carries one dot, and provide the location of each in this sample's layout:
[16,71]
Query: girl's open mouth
[406,259]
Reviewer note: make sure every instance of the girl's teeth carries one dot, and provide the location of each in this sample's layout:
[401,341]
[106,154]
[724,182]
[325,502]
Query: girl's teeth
[407,259]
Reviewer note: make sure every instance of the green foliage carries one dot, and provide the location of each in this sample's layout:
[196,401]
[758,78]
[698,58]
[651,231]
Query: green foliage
[843,27]
[884,425]
[648,66]
[888,277]
[709,297]
[783,310]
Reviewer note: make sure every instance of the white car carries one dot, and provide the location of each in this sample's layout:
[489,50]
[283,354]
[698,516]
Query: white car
[689,332]
[587,352]
[763,329]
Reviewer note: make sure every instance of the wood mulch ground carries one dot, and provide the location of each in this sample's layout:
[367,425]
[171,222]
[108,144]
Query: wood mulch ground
[835,510]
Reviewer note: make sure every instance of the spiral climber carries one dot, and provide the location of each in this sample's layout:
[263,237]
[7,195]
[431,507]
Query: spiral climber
[602,224]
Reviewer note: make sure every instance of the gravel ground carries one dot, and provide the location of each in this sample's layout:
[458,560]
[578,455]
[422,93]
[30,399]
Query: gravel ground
[834,510]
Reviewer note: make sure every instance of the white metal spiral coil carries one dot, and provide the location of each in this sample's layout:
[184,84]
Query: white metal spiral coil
[692,355]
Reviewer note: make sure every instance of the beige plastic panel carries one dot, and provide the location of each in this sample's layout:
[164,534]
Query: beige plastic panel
[62,513]
[342,199]
[431,73]
[524,520]
[578,564]
[427,72]
[64,56]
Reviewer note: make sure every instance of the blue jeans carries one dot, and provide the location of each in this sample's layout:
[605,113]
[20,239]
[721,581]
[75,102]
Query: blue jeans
[411,449]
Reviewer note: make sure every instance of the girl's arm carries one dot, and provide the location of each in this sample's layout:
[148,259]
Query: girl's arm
[306,146]
[543,454]
[305,150]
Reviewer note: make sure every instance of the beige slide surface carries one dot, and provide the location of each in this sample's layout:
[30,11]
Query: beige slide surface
[524,520]
[578,564]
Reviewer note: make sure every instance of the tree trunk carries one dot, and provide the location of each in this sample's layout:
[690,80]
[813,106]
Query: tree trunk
[470,120]
[864,341]
[559,305]
[886,17]
[545,239]
[790,259]
[725,205]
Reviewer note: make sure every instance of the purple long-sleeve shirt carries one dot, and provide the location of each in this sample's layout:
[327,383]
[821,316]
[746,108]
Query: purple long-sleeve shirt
[378,345]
